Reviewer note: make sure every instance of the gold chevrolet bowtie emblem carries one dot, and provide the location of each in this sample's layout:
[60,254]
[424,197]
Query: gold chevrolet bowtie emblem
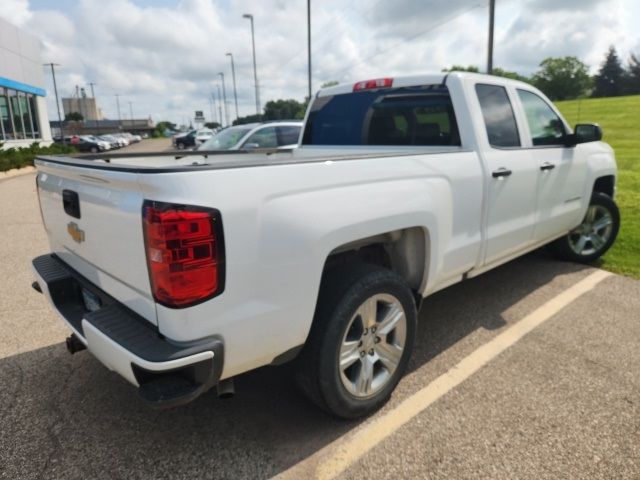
[75,232]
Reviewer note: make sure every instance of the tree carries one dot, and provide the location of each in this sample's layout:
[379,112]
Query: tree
[499,72]
[283,109]
[330,83]
[610,77]
[73,117]
[460,68]
[212,125]
[248,119]
[562,78]
[632,76]
[163,127]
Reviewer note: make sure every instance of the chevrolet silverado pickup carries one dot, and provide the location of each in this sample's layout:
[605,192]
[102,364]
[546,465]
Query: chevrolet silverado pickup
[182,272]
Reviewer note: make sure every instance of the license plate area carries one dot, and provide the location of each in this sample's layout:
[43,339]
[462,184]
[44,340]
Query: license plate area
[91,300]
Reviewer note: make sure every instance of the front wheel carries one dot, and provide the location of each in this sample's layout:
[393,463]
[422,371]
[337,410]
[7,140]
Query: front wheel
[595,235]
[360,342]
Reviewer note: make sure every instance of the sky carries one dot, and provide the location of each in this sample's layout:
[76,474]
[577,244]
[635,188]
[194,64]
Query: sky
[164,56]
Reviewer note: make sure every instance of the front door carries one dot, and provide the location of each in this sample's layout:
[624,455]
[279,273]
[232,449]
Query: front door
[562,170]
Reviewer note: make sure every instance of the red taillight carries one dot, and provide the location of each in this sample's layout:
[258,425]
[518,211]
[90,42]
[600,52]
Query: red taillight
[370,84]
[185,253]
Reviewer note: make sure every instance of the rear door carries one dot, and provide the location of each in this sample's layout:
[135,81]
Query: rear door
[93,220]
[511,177]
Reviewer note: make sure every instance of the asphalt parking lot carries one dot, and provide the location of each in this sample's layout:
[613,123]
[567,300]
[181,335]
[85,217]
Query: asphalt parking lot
[561,402]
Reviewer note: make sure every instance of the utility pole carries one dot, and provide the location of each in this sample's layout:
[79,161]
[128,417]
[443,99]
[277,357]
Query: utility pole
[235,91]
[55,89]
[492,14]
[224,97]
[220,104]
[215,107]
[255,69]
[118,106]
[211,108]
[95,104]
[309,43]
[131,112]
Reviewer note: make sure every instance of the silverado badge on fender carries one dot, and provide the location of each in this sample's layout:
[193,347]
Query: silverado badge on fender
[76,233]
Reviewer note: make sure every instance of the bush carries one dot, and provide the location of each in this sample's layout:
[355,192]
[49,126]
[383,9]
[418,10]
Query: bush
[23,157]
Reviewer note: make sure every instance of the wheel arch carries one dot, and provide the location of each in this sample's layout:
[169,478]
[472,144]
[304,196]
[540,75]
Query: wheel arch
[605,184]
[405,252]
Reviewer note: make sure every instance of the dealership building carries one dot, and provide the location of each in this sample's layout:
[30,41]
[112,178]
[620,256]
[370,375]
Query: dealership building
[23,108]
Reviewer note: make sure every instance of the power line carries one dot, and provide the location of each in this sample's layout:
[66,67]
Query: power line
[404,41]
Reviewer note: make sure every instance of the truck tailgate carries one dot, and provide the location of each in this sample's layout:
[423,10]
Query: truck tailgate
[93,220]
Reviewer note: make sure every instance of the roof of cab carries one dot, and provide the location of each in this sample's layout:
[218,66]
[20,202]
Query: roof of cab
[426,79]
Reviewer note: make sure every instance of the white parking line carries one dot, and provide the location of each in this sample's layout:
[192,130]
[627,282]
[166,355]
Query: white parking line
[336,457]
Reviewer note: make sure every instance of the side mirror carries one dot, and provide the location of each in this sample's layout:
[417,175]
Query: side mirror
[588,132]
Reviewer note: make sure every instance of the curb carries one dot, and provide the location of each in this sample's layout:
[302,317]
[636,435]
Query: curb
[15,172]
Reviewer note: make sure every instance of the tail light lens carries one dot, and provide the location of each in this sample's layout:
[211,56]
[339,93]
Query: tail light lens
[185,253]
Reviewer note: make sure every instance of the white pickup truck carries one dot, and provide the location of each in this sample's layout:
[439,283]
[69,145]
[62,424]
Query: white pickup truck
[180,273]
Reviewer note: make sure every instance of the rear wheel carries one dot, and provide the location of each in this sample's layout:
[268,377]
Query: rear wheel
[360,342]
[595,235]
[94,149]
[180,146]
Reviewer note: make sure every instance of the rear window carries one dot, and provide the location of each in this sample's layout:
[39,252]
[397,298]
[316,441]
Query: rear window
[400,116]
[502,129]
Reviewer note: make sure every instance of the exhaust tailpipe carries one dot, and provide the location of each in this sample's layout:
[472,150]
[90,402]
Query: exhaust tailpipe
[74,344]
[226,388]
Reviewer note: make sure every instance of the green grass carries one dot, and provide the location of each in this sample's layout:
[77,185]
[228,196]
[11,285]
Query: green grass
[620,121]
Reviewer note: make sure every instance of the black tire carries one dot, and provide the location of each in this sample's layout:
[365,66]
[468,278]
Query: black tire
[180,146]
[343,291]
[94,149]
[568,247]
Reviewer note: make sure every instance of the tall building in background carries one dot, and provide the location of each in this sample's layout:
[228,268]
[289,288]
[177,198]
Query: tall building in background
[23,107]
[85,106]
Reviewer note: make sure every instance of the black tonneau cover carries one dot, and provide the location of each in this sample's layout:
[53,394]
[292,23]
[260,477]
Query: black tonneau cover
[217,160]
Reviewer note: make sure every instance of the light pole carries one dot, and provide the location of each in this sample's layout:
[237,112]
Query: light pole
[118,106]
[492,14]
[55,89]
[233,74]
[215,107]
[95,105]
[255,69]
[309,43]
[131,112]
[224,97]
[219,104]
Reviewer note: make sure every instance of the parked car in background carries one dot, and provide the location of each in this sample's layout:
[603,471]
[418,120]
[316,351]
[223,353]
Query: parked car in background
[255,135]
[113,142]
[184,140]
[203,135]
[86,144]
[104,143]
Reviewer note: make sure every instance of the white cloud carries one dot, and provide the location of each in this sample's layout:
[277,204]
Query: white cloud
[16,11]
[166,59]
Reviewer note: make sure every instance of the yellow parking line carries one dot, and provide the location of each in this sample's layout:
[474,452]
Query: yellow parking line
[337,456]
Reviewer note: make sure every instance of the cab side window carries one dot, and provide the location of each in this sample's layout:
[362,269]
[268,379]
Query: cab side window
[288,135]
[263,138]
[545,125]
[498,115]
